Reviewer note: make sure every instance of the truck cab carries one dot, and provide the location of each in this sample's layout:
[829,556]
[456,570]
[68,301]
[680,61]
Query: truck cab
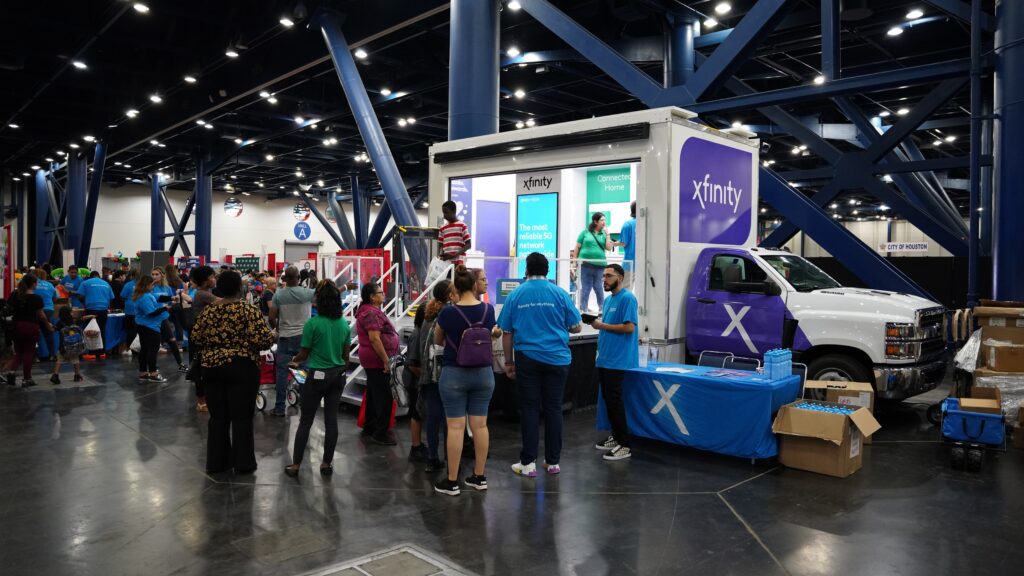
[747,301]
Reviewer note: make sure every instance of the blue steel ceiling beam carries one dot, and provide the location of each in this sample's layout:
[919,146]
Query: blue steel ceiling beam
[906,125]
[323,220]
[956,244]
[962,10]
[381,240]
[44,238]
[633,79]
[912,152]
[177,232]
[934,164]
[857,257]
[202,202]
[752,29]
[830,39]
[190,205]
[93,200]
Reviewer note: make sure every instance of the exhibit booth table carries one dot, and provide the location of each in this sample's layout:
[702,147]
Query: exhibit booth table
[113,337]
[723,411]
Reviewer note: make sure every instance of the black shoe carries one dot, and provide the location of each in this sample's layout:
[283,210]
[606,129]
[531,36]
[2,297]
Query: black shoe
[326,469]
[158,378]
[278,413]
[418,453]
[449,487]
[433,465]
[55,379]
[78,378]
[182,368]
[11,379]
[477,482]
[383,439]
[27,383]
[291,472]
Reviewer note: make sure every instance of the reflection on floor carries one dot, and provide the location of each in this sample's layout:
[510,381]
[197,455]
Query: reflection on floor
[108,479]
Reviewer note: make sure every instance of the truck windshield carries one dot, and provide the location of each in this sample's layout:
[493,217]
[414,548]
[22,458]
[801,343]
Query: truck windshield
[801,274]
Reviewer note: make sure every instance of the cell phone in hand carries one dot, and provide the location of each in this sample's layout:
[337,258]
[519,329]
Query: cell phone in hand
[588,318]
[163,298]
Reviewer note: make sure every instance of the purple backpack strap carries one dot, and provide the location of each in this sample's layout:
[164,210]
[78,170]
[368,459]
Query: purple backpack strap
[469,324]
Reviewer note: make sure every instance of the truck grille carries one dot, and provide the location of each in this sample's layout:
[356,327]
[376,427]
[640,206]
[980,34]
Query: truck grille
[929,322]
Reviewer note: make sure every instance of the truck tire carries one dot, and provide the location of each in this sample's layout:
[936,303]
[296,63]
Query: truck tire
[839,367]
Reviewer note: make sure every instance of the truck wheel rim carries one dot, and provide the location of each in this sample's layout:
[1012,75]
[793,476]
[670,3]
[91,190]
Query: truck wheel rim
[833,375]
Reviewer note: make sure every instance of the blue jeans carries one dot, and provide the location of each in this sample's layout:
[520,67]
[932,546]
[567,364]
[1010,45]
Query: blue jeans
[434,418]
[49,342]
[541,387]
[466,390]
[591,278]
[286,348]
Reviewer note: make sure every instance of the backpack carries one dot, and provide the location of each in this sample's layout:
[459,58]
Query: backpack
[474,349]
[72,343]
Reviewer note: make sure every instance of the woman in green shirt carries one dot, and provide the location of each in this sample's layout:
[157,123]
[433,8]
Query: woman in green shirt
[326,339]
[591,246]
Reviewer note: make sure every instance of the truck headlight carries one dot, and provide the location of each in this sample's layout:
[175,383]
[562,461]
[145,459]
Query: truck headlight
[899,331]
[902,341]
[902,350]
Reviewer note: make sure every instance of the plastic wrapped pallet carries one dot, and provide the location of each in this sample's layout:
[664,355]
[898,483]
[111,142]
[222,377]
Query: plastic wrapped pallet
[1010,385]
[967,358]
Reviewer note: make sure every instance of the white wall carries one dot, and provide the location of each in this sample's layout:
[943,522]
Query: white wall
[122,222]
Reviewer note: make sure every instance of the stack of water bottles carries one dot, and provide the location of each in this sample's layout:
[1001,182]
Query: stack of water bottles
[778,363]
[826,408]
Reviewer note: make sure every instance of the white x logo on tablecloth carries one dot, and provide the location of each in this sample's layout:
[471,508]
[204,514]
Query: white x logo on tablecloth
[666,402]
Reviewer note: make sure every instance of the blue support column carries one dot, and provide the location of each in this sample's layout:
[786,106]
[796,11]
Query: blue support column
[44,239]
[190,206]
[322,219]
[369,127]
[680,57]
[987,217]
[75,206]
[157,215]
[360,211]
[1008,201]
[975,191]
[830,39]
[92,202]
[342,219]
[473,69]
[203,210]
[380,224]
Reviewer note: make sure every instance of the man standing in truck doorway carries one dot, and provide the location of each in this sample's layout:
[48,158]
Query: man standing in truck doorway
[453,236]
[618,350]
[627,237]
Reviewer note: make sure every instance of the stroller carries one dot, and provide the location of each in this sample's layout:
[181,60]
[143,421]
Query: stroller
[268,380]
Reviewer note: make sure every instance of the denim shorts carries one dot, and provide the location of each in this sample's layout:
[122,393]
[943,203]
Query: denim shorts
[466,390]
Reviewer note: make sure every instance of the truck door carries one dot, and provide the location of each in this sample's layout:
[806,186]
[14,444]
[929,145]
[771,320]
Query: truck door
[733,307]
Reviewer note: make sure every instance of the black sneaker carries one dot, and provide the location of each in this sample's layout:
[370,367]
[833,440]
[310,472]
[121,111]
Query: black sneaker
[78,378]
[11,379]
[156,378]
[182,368]
[418,453]
[54,379]
[449,487]
[27,383]
[383,439]
[477,482]
[433,465]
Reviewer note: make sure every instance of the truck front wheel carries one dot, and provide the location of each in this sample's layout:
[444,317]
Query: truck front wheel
[838,367]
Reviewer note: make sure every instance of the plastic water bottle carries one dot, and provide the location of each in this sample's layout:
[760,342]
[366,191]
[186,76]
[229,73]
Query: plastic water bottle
[645,352]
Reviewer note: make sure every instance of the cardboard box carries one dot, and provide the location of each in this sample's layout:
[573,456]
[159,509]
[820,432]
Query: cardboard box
[986,400]
[1002,349]
[859,394]
[999,316]
[830,444]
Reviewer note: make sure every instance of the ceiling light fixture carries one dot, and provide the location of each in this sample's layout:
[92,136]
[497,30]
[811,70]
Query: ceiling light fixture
[385,92]
[246,194]
[286,22]
[201,122]
[89,138]
[796,150]
[190,79]
[208,126]
[410,120]
[298,174]
[35,166]
[895,31]
[512,52]
[73,145]
[520,124]
[360,53]
[333,140]
[272,100]
[16,179]
[519,93]
[402,122]
[48,159]
[295,192]
[710,23]
[320,183]
[819,79]
[231,53]
[299,119]
[153,142]
[531,122]
[79,64]
[903,111]
[61,153]
[883,114]
[937,143]
[132,113]
[269,157]
[803,147]
[514,5]
[950,138]
[13,125]
[723,8]
[141,8]
[264,94]
[155,98]
[915,14]
[25,174]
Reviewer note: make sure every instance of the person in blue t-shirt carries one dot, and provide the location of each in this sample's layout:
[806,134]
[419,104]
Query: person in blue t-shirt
[48,341]
[617,351]
[129,308]
[150,314]
[627,237]
[72,282]
[166,294]
[97,294]
[537,319]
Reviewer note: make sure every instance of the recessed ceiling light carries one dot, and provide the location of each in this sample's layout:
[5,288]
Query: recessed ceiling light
[153,142]
[190,79]
[26,174]
[852,201]
[201,122]
[272,100]
[385,92]
[796,149]
[61,153]
[260,184]
[79,64]
[286,22]
[519,93]
[512,52]
[950,138]
[320,183]
[531,122]
[737,124]
[710,23]
[111,125]
[520,124]
[231,53]
[264,94]
[246,194]
[16,179]
[722,8]
[233,177]
[884,113]
[35,166]
[887,178]
[410,120]
[803,147]
[937,143]
[89,138]
[299,119]
[835,216]
[514,5]
[162,145]
[333,140]
[819,79]
[118,163]
[48,159]
[208,126]
[895,31]
[763,210]
[140,8]
[238,140]
[903,111]
[269,157]
[833,205]
[883,208]
[915,14]
[402,122]
[298,174]
[155,98]
[73,145]
[327,141]
[295,192]
[132,113]
[13,125]
[360,53]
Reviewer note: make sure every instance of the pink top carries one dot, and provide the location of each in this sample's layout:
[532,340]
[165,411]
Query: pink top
[370,318]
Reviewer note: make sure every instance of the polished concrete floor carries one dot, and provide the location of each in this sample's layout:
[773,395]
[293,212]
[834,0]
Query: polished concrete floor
[108,479]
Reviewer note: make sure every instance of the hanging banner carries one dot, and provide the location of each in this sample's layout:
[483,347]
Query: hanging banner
[462,195]
[714,193]
[608,193]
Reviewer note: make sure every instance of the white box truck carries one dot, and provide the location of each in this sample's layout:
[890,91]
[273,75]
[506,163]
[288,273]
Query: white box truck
[701,282]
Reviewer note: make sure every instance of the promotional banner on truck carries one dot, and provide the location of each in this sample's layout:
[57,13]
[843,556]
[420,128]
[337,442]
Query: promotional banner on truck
[715,191]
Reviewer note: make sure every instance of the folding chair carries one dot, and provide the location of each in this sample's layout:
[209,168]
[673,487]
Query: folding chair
[713,359]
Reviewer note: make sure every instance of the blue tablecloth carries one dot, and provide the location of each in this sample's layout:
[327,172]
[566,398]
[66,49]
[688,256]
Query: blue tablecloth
[114,336]
[723,411]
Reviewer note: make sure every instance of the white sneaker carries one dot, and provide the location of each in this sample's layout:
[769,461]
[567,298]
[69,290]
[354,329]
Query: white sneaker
[608,445]
[529,470]
[552,468]
[620,453]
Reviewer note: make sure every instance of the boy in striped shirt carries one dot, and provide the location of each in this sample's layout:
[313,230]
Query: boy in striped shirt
[453,236]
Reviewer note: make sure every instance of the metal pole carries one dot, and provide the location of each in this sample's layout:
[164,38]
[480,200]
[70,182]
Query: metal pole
[975,192]
[360,211]
[473,64]
[1008,202]
[157,214]
[322,219]
[93,200]
[680,53]
[75,206]
[44,239]
[986,216]
[204,210]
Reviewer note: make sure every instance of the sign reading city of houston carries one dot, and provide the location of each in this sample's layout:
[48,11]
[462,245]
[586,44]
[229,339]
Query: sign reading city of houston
[714,193]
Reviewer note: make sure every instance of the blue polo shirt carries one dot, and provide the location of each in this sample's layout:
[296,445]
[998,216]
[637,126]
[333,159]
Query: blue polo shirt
[148,312]
[619,351]
[628,237]
[126,295]
[97,294]
[47,292]
[72,285]
[539,314]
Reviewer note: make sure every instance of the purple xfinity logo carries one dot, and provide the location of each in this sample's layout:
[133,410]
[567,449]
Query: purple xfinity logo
[714,193]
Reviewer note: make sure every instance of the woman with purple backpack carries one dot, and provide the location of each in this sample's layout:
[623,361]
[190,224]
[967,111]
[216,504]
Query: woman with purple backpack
[466,330]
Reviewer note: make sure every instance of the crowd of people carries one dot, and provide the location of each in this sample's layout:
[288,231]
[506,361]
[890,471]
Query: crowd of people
[458,345]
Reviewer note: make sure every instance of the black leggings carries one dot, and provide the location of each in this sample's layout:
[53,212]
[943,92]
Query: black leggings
[130,330]
[313,391]
[149,341]
[167,329]
[231,396]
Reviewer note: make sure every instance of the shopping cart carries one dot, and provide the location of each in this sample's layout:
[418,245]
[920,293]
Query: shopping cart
[268,381]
